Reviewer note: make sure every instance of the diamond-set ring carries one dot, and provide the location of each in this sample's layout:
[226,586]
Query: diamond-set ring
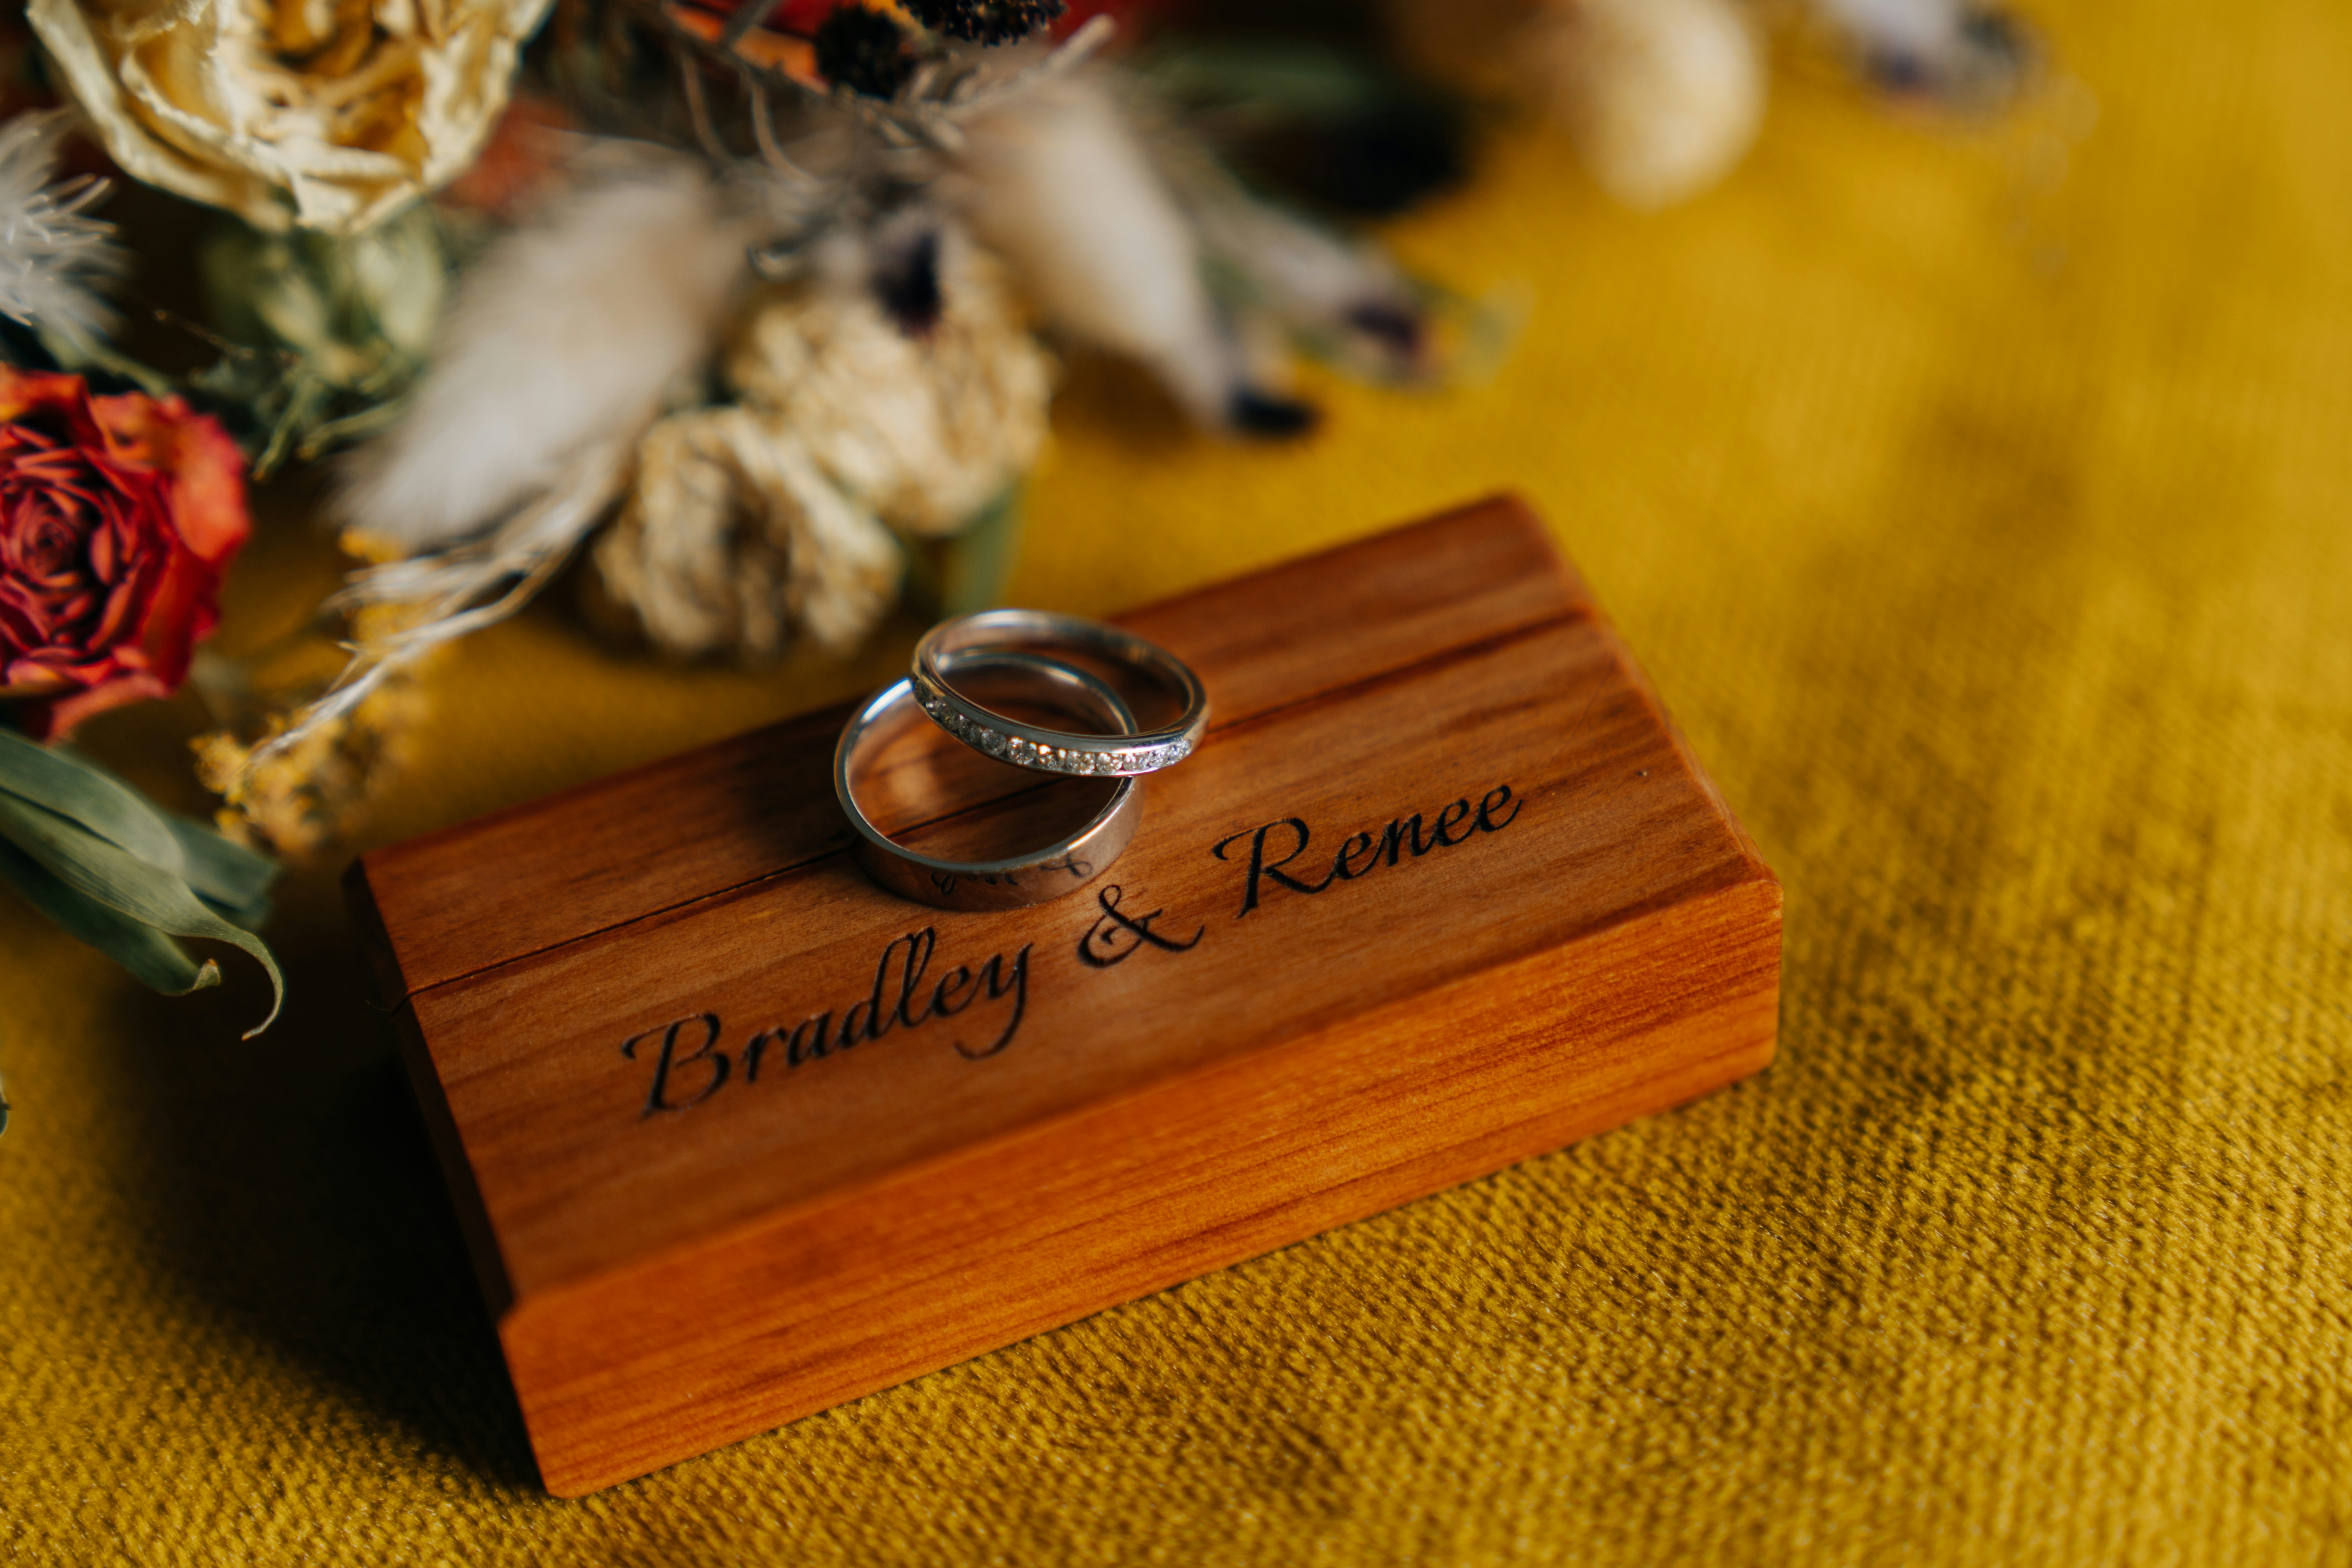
[1131,659]
[1028,655]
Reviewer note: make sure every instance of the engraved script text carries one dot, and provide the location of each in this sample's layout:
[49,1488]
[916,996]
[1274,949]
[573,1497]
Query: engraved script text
[690,1065]
[1360,852]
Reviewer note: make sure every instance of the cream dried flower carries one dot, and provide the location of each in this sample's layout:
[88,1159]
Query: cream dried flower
[323,113]
[926,421]
[732,539]
[1663,97]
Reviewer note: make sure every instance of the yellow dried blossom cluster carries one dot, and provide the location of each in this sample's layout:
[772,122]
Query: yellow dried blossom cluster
[304,798]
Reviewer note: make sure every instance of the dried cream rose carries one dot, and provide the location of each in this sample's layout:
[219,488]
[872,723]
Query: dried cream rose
[731,540]
[927,425]
[328,114]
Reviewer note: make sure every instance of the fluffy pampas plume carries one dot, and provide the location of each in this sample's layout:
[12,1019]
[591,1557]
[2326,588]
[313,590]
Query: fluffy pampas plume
[1663,97]
[561,348]
[569,333]
[1058,183]
[52,252]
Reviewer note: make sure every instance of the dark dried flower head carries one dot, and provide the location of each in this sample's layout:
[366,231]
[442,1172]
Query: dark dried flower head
[864,51]
[906,281]
[985,21]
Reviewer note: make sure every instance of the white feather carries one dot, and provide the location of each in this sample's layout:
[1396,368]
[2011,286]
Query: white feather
[567,335]
[1057,183]
[51,251]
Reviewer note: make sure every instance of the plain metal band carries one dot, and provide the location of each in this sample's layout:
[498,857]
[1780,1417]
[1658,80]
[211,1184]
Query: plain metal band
[1060,867]
[1031,745]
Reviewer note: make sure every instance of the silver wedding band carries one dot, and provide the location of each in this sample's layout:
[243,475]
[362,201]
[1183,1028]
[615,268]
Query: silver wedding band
[1063,866]
[1055,751]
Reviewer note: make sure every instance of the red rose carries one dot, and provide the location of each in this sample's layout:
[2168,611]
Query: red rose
[118,516]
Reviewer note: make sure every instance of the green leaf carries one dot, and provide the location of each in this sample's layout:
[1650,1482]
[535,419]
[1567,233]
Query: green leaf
[78,789]
[233,879]
[225,874]
[103,871]
[157,960]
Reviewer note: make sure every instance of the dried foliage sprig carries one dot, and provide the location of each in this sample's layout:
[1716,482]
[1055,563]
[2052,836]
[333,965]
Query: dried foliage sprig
[438,597]
[319,334]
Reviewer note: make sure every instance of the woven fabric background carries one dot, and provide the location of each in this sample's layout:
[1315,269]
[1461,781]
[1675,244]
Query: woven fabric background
[1983,507]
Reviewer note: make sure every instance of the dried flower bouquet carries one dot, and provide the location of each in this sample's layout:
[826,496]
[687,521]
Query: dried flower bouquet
[737,309]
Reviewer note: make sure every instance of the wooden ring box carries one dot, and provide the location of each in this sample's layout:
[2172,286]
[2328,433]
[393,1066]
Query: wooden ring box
[737,1136]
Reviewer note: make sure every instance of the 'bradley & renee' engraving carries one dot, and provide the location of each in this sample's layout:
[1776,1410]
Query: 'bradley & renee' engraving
[684,1078]
[690,1064]
[1362,852]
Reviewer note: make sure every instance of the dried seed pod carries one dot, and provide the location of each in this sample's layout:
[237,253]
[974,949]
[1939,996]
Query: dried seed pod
[985,21]
[864,51]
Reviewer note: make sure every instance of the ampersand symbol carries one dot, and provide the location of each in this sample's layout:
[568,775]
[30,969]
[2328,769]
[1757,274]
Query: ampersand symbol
[1105,942]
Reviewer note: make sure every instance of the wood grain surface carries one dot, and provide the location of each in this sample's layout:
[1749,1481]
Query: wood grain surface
[737,1135]
[705,820]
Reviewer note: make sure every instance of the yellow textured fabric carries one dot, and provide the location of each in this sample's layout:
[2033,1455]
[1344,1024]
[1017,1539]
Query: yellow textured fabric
[1990,532]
